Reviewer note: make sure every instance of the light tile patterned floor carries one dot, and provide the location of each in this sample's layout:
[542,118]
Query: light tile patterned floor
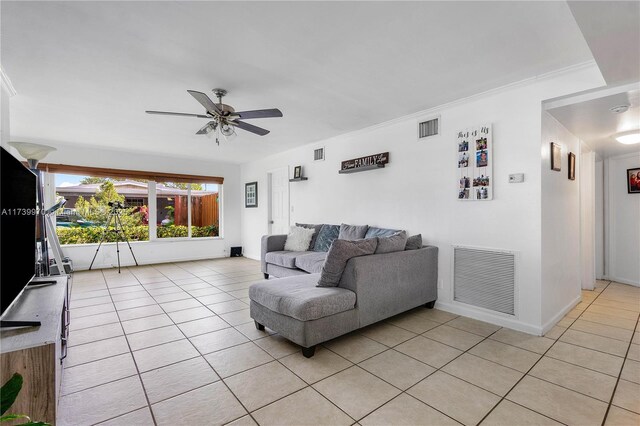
[174,344]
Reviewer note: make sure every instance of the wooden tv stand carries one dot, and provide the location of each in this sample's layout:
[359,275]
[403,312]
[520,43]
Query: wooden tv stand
[37,353]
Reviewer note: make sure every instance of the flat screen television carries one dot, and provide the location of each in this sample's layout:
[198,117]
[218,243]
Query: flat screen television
[18,187]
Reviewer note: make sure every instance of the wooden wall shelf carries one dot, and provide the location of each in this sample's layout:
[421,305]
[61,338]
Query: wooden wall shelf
[300,179]
[362,169]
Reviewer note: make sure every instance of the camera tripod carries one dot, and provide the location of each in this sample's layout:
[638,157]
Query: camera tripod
[118,229]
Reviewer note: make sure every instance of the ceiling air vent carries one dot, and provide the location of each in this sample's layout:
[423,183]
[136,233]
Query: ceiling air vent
[428,128]
[318,154]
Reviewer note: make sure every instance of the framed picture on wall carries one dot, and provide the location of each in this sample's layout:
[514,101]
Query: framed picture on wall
[633,181]
[297,172]
[572,166]
[251,194]
[556,157]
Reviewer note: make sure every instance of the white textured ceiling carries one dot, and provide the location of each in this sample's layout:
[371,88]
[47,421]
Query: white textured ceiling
[86,71]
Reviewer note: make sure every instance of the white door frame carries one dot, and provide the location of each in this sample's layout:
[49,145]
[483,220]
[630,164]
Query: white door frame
[587,183]
[269,203]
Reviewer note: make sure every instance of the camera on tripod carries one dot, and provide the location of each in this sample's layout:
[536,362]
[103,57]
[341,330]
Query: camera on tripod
[116,205]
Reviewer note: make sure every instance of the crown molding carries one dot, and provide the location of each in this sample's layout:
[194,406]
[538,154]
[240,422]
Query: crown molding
[6,82]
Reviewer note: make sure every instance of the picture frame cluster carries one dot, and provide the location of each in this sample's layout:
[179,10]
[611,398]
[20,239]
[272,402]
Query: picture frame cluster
[475,163]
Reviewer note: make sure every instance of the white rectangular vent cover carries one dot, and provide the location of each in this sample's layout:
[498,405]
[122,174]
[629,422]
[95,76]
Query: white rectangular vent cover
[318,154]
[485,278]
[428,128]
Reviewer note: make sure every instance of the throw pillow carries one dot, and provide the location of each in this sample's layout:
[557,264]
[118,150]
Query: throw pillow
[298,239]
[380,232]
[327,234]
[392,243]
[339,254]
[316,231]
[414,242]
[352,232]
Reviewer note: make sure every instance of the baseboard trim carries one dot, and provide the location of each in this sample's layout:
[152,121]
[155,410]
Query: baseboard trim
[622,281]
[141,263]
[557,317]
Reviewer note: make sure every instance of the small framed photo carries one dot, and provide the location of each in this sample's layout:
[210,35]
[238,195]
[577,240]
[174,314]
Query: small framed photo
[572,166]
[297,172]
[556,157]
[251,194]
[633,181]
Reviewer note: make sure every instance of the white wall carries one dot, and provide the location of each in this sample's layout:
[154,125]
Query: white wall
[622,249]
[4,113]
[160,250]
[417,190]
[599,219]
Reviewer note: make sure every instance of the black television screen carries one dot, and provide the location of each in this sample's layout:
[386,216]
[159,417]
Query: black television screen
[17,228]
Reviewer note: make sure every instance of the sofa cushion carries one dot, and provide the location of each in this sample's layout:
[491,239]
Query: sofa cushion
[298,297]
[298,239]
[339,254]
[379,232]
[326,236]
[316,231]
[311,263]
[284,258]
[352,232]
[395,242]
[414,242]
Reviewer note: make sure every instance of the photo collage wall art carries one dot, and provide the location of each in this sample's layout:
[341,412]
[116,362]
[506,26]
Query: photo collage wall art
[475,163]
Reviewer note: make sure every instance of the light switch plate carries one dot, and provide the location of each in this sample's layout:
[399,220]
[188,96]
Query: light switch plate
[516,178]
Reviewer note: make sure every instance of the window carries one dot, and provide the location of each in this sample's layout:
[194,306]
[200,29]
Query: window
[187,210]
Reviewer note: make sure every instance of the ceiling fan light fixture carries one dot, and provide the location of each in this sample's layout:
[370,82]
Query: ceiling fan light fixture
[628,138]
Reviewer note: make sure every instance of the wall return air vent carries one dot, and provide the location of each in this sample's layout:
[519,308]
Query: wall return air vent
[485,278]
[318,154]
[428,128]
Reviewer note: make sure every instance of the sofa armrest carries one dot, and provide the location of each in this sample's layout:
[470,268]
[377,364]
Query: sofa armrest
[391,283]
[270,243]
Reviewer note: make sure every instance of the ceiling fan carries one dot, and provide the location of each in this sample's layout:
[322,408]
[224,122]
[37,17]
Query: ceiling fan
[224,118]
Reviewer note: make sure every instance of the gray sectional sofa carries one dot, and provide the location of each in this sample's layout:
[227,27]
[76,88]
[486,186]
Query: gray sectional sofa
[372,288]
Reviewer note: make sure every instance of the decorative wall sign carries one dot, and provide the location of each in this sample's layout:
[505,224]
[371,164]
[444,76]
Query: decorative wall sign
[556,157]
[633,181]
[475,163]
[251,194]
[367,161]
[572,166]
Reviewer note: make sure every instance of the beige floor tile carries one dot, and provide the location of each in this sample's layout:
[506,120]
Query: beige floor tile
[355,347]
[627,306]
[180,305]
[619,417]
[555,332]
[474,326]
[277,346]
[172,289]
[243,421]
[249,386]
[190,314]
[356,392]
[202,326]
[415,321]
[229,306]
[631,371]
[135,303]
[101,403]
[397,369]
[165,354]
[236,359]
[207,290]
[146,323]
[428,351]
[523,340]
[614,312]
[387,334]
[141,417]
[588,382]
[91,310]
[96,350]
[602,330]
[598,343]
[566,322]
[217,340]
[627,396]
[237,317]
[455,337]
[588,358]
[144,311]
[96,373]
[507,355]
[93,301]
[482,373]
[558,403]
[322,365]
[213,298]
[93,334]
[249,329]
[156,336]
[634,352]
[408,411]
[76,294]
[172,297]
[211,405]
[610,320]
[317,411]
[93,321]
[129,293]
[438,316]
[509,414]
[456,398]
[636,338]
[174,379]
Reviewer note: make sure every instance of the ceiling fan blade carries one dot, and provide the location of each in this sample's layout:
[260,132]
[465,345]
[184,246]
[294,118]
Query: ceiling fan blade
[206,102]
[207,128]
[250,127]
[259,113]
[184,114]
